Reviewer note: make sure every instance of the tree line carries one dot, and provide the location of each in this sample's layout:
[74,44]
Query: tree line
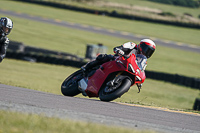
[185,3]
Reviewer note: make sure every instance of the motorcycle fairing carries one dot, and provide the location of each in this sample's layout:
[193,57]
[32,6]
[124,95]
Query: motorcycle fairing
[119,65]
[96,80]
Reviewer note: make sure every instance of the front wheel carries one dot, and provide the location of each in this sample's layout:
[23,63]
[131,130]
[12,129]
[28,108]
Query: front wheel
[69,86]
[109,93]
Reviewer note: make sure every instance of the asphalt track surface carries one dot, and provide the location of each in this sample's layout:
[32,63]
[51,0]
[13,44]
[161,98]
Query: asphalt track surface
[99,30]
[90,110]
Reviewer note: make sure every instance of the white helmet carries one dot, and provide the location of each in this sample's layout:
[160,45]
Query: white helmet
[6,25]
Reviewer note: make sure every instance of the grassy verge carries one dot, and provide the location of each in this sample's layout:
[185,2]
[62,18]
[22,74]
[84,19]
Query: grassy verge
[74,41]
[37,76]
[161,94]
[143,10]
[164,7]
[29,123]
[178,34]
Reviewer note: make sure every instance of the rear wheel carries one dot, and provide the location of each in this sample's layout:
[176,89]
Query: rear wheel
[111,92]
[69,86]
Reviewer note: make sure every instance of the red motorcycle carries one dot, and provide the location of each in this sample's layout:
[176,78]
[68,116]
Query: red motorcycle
[110,80]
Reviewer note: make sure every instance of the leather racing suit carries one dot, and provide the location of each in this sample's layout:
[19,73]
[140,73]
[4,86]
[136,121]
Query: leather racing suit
[4,41]
[125,49]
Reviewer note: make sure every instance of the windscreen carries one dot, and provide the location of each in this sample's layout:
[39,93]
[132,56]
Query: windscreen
[141,61]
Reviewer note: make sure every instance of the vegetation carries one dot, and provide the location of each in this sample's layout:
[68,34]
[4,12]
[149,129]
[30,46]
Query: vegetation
[37,76]
[154,30]
[137,12]
[186,3]
[30,123]
[74,41]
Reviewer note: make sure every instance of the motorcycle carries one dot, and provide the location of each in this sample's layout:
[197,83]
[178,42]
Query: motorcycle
[108,81]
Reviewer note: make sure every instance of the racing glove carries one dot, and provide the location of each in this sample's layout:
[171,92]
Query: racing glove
[119,51]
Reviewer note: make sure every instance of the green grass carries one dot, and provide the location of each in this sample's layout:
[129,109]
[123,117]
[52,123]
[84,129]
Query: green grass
[74,41]
[161,94]
[178,34]
[178,10]
[30,123]
[164,7]
[37,76]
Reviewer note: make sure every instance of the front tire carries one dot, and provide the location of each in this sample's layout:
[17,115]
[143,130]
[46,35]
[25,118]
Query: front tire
[69,86]
[122,88]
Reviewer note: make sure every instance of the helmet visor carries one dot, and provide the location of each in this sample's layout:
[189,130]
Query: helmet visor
[6,30]
[147,50]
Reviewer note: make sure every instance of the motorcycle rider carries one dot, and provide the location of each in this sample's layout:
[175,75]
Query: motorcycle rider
[6,26]
[145,47]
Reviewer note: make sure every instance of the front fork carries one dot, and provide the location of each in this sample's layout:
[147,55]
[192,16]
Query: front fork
[139,87]
[138,84]
[111,83]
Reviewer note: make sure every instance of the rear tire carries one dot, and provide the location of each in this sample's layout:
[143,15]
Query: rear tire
[124,87]
[69,86]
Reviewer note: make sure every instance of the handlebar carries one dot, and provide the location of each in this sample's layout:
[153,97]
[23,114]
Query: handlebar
[125,56]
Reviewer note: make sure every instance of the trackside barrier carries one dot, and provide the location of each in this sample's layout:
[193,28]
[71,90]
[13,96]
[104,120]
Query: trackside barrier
[20,47]
[112,14]
[197,104]
[45,59]
[172,78]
